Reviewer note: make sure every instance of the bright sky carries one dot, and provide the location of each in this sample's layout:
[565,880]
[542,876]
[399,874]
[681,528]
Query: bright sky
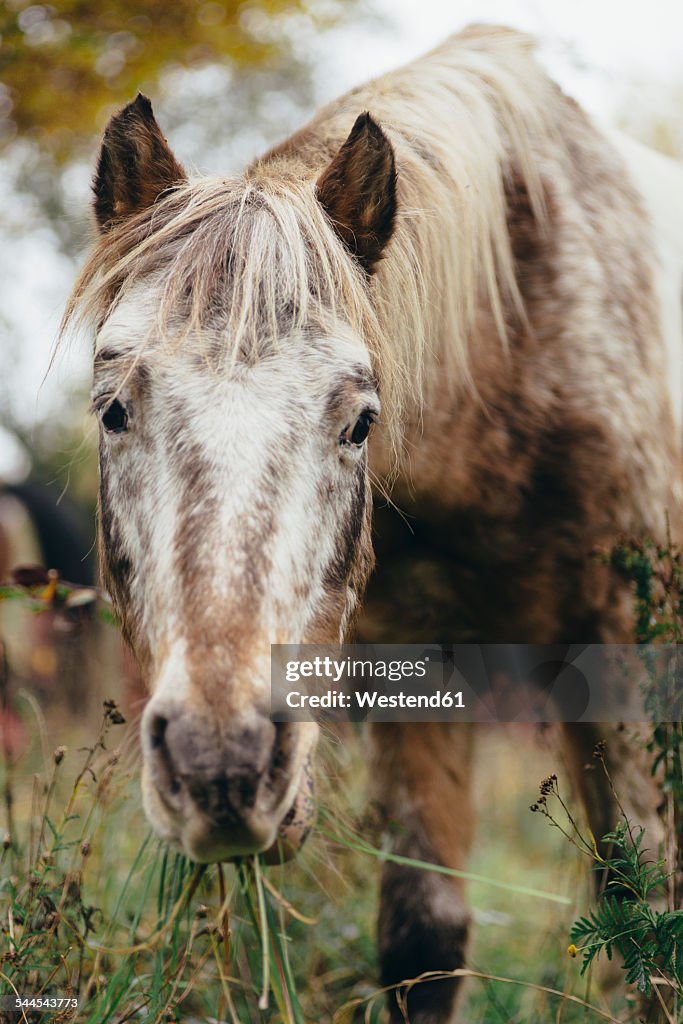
[616,41]
[598,49]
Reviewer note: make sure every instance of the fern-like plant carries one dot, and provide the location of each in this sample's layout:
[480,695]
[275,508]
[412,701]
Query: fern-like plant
[625,921]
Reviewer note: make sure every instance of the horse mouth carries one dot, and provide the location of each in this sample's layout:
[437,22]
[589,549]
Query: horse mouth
[290,837]
[206,839]
[297,823]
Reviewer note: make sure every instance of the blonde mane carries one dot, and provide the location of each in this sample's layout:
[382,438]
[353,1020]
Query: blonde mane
[254,258]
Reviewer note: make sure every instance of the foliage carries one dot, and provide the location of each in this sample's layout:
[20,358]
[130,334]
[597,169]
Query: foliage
[627,919]
[90,904]
[64,64]
[649,941]
[156,949]
[227,77]
[42,590]
[655,572]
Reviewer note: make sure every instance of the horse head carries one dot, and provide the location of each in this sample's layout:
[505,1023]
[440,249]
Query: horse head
[235,394]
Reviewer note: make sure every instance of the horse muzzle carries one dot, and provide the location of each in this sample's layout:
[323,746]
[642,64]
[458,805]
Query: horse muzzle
[219,792]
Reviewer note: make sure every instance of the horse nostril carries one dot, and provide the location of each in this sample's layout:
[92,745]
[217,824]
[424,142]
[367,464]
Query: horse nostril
[163,766]
[157,731]
[283,750]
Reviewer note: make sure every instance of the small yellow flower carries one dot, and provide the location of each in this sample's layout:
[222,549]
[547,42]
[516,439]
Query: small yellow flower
[572,950]
[49,591]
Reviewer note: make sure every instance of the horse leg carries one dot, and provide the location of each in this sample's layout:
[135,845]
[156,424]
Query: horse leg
[422,776]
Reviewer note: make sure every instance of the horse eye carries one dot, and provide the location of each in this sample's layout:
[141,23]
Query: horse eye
[361,428]
[115,418]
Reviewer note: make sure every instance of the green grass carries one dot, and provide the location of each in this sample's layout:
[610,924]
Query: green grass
[91,903]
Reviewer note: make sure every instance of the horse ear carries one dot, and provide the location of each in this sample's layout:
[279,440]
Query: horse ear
[135,165]
[358,191]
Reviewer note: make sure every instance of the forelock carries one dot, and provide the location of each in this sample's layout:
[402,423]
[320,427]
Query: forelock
[250,260]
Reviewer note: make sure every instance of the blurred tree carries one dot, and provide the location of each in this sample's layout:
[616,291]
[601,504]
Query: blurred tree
[227,77]
[65,65]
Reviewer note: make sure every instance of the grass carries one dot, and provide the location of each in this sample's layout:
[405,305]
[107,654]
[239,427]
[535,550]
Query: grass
[91,903]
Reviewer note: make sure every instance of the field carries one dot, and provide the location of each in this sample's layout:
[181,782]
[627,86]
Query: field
[92,904]
[458,239]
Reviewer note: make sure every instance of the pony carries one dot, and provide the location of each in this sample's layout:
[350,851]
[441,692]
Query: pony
[450,284]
